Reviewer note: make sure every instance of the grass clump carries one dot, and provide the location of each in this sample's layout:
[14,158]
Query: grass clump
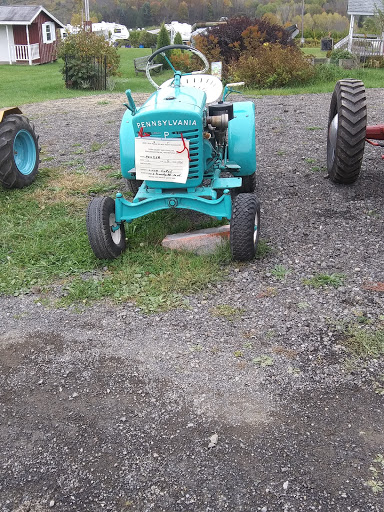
[226,311]
[279,272]
[365,342]
[324,280]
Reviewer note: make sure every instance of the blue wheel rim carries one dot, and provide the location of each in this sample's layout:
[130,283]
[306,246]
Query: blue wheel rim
[24,152]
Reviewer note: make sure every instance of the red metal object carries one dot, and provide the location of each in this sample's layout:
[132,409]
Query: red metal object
[375,132]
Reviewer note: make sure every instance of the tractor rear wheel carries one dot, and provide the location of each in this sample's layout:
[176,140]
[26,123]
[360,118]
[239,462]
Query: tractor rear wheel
[19,152]
[107,238]
[346,131]
[245,227]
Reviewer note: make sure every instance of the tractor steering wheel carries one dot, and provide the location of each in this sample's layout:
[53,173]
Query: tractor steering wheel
[175,47]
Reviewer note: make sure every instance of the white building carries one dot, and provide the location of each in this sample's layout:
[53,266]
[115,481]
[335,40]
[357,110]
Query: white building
[110,31]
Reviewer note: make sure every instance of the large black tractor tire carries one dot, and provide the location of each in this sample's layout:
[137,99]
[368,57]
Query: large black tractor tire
[245,227]
[346,131]
[19,152]
[133,185]
[106,243]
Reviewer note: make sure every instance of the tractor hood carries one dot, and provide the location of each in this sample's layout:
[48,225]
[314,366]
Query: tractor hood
[169,113]
[181,99]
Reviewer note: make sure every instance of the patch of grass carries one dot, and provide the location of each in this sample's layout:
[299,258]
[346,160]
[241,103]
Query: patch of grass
[378,385]
[376,482]
[227,311]
[315,52]
[323,280]
[96,146]
[263,249]
[263,360]
[279,272]
[365,342]
[313,128]
[44,244]
[318,168]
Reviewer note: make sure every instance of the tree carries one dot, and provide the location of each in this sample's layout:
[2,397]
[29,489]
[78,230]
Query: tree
[146,15]
[163,39]
[178,39]
[183,12]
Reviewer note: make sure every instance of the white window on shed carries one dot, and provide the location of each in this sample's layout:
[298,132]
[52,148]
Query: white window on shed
[49,34]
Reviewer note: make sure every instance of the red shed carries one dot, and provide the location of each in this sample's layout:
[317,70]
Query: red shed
[27,34]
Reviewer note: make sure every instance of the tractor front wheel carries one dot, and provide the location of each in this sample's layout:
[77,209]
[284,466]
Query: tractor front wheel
[19,152]
[248,184]
[346,131]
[245,227]
[107,238]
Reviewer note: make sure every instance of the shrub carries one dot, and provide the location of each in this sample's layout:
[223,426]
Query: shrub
[233,37]
[147,39]
[272,65]
[83,47]
[339,53]
[208,46]
[185,61]
[375,62]
[134,38]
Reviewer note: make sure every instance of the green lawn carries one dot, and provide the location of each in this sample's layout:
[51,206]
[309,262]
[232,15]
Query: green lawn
[33,84]
[316,52]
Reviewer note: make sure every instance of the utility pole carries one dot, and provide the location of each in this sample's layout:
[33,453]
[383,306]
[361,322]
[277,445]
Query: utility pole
[302,22]
[87,23]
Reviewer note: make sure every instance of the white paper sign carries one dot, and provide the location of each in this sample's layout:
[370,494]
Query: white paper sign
[158,159]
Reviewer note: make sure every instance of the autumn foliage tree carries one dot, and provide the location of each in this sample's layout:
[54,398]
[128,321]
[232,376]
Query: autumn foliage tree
[255,51]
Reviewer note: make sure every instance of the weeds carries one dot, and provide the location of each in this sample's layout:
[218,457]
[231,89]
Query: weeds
[279,272]
[377,471]
[365,342]
[263,249]
[263,360]
[227,311]
[378,386]
[96,146]
[323,280]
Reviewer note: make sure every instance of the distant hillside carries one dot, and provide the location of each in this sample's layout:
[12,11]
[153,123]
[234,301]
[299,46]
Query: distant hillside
[61,9]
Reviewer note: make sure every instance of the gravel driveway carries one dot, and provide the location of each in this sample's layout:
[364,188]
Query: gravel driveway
[262,409]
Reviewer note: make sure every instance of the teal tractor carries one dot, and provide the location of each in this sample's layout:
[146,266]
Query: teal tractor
[186,147]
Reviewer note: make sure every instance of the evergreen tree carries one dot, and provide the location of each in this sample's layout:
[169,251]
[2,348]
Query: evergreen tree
[163,39]
[178,39]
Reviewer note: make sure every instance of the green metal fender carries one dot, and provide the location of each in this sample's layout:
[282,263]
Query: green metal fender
[242,138]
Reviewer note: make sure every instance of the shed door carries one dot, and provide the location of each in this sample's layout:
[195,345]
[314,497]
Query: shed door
[4,55]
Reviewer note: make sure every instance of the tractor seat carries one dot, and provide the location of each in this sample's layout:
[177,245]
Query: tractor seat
[210,84]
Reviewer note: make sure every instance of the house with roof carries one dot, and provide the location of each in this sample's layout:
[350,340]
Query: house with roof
[27,34]
[362,44]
